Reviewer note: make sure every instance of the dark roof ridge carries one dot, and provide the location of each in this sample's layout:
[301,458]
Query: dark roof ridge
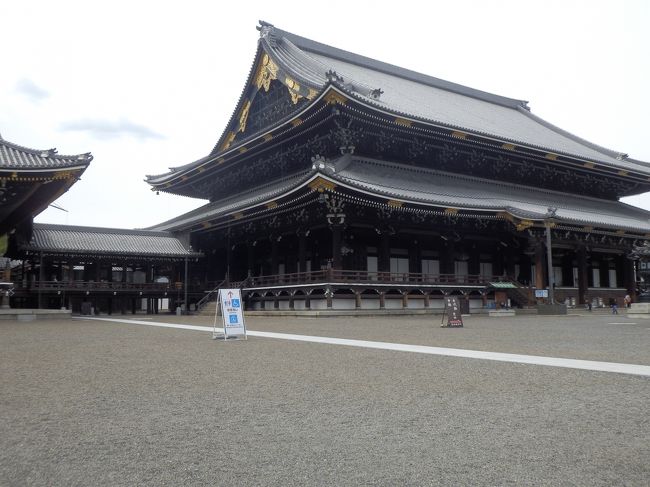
[391,69]
[51,153]
[113,231]
[465,177]
[599,148]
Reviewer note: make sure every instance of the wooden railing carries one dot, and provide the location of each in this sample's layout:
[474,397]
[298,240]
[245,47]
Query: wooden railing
[99,286]
[351,276]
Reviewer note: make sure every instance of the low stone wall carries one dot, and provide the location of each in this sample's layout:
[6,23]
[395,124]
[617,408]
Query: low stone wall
[34,314]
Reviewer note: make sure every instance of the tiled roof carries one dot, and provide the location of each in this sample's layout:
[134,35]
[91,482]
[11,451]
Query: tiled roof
[463,192]
[234,203]
[67,239]
[436,189]
[427,98]
[14,156]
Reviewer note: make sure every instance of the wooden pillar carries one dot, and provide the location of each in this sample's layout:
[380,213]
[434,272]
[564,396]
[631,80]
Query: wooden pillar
[414,258]
[250,258]
[274,255]
[510,263]
[71,270]
[302,251]
[627,271]
[474,263]
[383,263]
[41,278]
[604,273]
[540,274]
[448,261]
[337,231]
[497,267]
[582,275]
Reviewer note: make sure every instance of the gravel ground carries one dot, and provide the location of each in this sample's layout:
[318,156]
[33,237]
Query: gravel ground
[588,337]
[95,403]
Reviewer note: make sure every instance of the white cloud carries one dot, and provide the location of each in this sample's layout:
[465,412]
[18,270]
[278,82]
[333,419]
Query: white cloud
[105,129]
[31,90]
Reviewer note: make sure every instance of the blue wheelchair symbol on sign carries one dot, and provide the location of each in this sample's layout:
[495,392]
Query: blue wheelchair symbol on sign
[235,303]
[233,318]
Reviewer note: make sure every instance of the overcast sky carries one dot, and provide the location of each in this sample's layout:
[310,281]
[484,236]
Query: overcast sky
[145,86]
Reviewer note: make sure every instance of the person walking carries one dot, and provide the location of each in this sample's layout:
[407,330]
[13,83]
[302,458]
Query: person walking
[614,308]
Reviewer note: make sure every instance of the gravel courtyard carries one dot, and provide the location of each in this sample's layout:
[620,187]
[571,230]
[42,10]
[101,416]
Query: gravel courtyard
[97,403]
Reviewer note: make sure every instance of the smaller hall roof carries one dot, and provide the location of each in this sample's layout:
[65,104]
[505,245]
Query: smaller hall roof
[17,157]
[78,240]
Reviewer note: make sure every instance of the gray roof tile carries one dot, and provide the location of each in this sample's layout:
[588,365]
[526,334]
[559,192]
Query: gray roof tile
[105,241]
[424,97]
[452,190]
[14,156]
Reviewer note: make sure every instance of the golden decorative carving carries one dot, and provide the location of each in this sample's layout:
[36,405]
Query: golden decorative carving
[403,122]
[221,160]
[508,146]
[238,216]
[523,225]
[266,72]
[451,211]
[334,97]
[63,175]
[588,229]
[622,172]
[296,121]
[228,141]
[206,224]
[295,96]
[242,150]
[395,203]
[272,204]
[551,157]
[243,115]
[312,94]
[319,184]
[459,135]
[201,169]
[267,137]
[620,232]
[588,165]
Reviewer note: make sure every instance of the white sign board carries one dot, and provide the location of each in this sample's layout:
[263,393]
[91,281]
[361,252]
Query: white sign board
[232,312]
[541,293]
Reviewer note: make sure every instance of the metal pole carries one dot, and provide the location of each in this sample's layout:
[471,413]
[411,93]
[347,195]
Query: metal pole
[187,307]
[549,261]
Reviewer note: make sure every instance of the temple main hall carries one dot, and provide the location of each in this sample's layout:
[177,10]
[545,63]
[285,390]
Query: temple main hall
[344,182]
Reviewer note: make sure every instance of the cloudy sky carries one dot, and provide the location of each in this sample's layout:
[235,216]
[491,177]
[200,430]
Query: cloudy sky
[146,85]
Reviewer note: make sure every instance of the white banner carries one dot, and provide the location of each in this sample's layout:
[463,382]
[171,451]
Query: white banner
[232,312]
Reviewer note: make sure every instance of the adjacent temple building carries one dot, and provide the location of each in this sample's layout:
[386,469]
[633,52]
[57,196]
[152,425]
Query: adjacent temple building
[344,182]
